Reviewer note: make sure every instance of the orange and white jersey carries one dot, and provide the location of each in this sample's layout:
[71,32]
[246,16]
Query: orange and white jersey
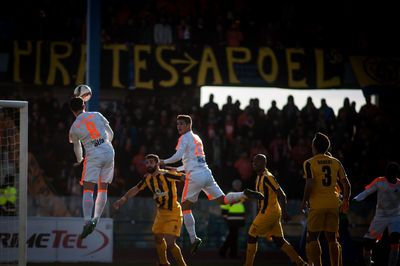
[90,128]
[190,150]
[387,203]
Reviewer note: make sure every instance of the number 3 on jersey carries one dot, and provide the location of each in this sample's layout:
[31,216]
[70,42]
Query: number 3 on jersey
[198,148]
[92,130]
[328,178]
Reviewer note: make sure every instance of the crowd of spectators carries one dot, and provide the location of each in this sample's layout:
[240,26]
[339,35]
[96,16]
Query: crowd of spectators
[232,135]
[276,24]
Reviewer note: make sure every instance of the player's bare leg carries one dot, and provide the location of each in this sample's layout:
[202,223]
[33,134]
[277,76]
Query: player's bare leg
[234,197]
[174,249]
[190,223]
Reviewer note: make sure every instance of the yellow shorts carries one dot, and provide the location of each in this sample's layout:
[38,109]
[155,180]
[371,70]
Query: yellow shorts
[168,222]
[266,225]
[323,220]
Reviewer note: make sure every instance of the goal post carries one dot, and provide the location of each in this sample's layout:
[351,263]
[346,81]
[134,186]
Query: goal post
[21,172]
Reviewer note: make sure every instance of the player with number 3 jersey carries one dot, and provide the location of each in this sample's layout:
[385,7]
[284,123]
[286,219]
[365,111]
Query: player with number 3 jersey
[322,173]
[94,132]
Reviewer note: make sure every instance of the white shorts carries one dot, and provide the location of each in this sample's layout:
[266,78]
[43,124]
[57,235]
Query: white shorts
[99,168]
[379,224]
[200,181]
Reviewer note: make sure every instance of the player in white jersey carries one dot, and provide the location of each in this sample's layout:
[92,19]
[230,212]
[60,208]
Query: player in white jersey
[94,132]
[387,213]
[199,177]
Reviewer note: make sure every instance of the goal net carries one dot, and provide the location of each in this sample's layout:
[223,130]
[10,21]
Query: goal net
[13,181]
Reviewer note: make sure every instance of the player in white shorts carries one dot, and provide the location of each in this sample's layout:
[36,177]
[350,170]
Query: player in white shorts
[94,132]
[199,177]
[387,212]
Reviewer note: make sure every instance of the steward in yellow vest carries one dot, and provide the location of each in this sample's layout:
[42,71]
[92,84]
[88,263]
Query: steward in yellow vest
[234,216]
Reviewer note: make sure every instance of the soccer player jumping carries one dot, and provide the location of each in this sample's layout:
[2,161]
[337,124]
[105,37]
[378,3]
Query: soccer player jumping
[94,132]
[199,177]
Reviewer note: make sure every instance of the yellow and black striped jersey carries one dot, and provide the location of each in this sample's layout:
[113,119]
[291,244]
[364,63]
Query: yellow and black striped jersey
[163,187]
[267,184]
[326,172]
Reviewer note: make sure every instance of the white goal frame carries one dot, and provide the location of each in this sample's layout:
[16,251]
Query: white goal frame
[23,176]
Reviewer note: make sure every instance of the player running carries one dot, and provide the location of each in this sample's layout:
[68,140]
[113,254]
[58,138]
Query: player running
[94,132]
[168,222]
[198,177]
[322,173]
[387,213]
[268,220]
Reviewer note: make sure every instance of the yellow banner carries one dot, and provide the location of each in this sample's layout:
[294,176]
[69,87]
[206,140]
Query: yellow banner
[376,71]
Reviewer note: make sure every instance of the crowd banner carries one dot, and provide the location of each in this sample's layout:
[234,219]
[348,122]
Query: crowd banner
[373,71]
[58,63]
[56,239]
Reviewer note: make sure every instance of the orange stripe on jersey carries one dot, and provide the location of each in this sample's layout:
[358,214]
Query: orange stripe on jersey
[179,142]
[185,212]
[85,191]
[83,171]
[209,196]
[378,179]
[102,190]
[185,188]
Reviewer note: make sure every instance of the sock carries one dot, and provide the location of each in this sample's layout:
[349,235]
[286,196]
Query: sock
[394,252]
[87,204]
[177,254]
[340,255]
[162,252]
[313,251]
[334,253]
[367,255]
[289,250]
[233,197]
[251,253]
[100,203]
[189,221]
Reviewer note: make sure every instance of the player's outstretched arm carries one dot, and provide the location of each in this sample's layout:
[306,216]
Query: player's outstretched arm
[129,194]
[368,191]
[178,154]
